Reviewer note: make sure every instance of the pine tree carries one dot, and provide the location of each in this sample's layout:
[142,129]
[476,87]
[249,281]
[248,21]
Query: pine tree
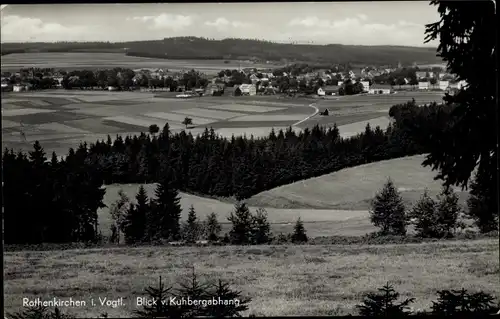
[135,224]
[261,229]
[241,219]
[159,308]
[383,304]
[482,201]
[424,214]
[223,291]
[212,227]
[299,233]
[191,228]
[388,211]
[168,209]
[448,211]
[192,289]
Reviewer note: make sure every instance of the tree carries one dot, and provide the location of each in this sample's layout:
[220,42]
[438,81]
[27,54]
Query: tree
[433,81]
[119,210]
[425,217]
[135,224]
[299,232]
[482,201]
[241,219]
[153,129]
[448,211]
[166,210]
[261,229]
[212,227]
[191,228]
[383,304]
[388,211]
[223,291]
[469,138]
[162,307]
[187,121]
[461,302]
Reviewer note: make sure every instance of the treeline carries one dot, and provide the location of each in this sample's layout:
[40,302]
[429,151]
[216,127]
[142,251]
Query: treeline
[217,299]
[228,49]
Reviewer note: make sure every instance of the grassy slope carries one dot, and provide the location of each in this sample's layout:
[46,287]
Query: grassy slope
[282,280]
[353,188]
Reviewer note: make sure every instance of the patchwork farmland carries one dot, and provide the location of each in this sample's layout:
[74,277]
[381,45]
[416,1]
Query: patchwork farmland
[87,60]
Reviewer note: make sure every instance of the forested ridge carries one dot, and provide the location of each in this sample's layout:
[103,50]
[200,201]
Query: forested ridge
[240,49]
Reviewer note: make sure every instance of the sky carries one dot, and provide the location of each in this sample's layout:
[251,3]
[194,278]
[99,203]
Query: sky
[349,23]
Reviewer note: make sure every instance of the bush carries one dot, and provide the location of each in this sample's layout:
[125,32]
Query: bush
[388,211]
[384,303]
[461,302]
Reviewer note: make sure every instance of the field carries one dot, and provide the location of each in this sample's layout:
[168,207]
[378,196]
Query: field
[86,60]
[61,119]
[281,280]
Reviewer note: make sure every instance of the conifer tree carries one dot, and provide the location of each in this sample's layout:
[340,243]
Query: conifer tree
[241,219]
[482,201]
[223,291]
[299,233]
[388,211]
[167,207]
[383,303]
[448,211]
[212,227]
[191,228]
[261,229]
[136,218]
[424,214]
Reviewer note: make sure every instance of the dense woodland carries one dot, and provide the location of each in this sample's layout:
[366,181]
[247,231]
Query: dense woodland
[240,49]
[41,196]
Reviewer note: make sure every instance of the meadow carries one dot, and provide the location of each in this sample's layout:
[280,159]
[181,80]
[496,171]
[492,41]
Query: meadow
[281,280]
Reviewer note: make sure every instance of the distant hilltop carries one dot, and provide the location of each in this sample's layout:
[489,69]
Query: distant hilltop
[241,49]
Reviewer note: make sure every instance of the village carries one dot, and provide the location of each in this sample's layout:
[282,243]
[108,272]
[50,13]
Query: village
[297,79]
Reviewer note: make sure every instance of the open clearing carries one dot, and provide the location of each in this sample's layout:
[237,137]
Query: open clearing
[246,108]
[354,129]
[281,280]
[318,222]
[353,188]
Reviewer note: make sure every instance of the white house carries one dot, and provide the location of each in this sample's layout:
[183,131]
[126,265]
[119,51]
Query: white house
[321,92]
[380,89]
[423,85]
[443,85]
[366,85]
[431,74]
[248,89]
[421,75]
[462,84]
[339,83]
[18,88]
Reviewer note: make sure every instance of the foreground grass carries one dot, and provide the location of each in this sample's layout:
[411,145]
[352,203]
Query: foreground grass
[281,280]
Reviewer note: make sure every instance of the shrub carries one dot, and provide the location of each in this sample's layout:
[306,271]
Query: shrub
[384,303]
[388,211]
[461,302]
[40,312]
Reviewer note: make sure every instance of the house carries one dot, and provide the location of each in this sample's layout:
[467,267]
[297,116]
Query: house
[112,88]
[6,87]
[443,85]
[421,75]
[247,89]
[462,84]
[321,92]
[331,89]
[431,74]
[366,85]
[339,83]
[214,89]
[270,90]
[380,89]
[423,85]
[19,88]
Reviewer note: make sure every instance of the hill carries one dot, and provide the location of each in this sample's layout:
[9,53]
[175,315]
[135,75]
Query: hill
[354,188]
[240,49]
